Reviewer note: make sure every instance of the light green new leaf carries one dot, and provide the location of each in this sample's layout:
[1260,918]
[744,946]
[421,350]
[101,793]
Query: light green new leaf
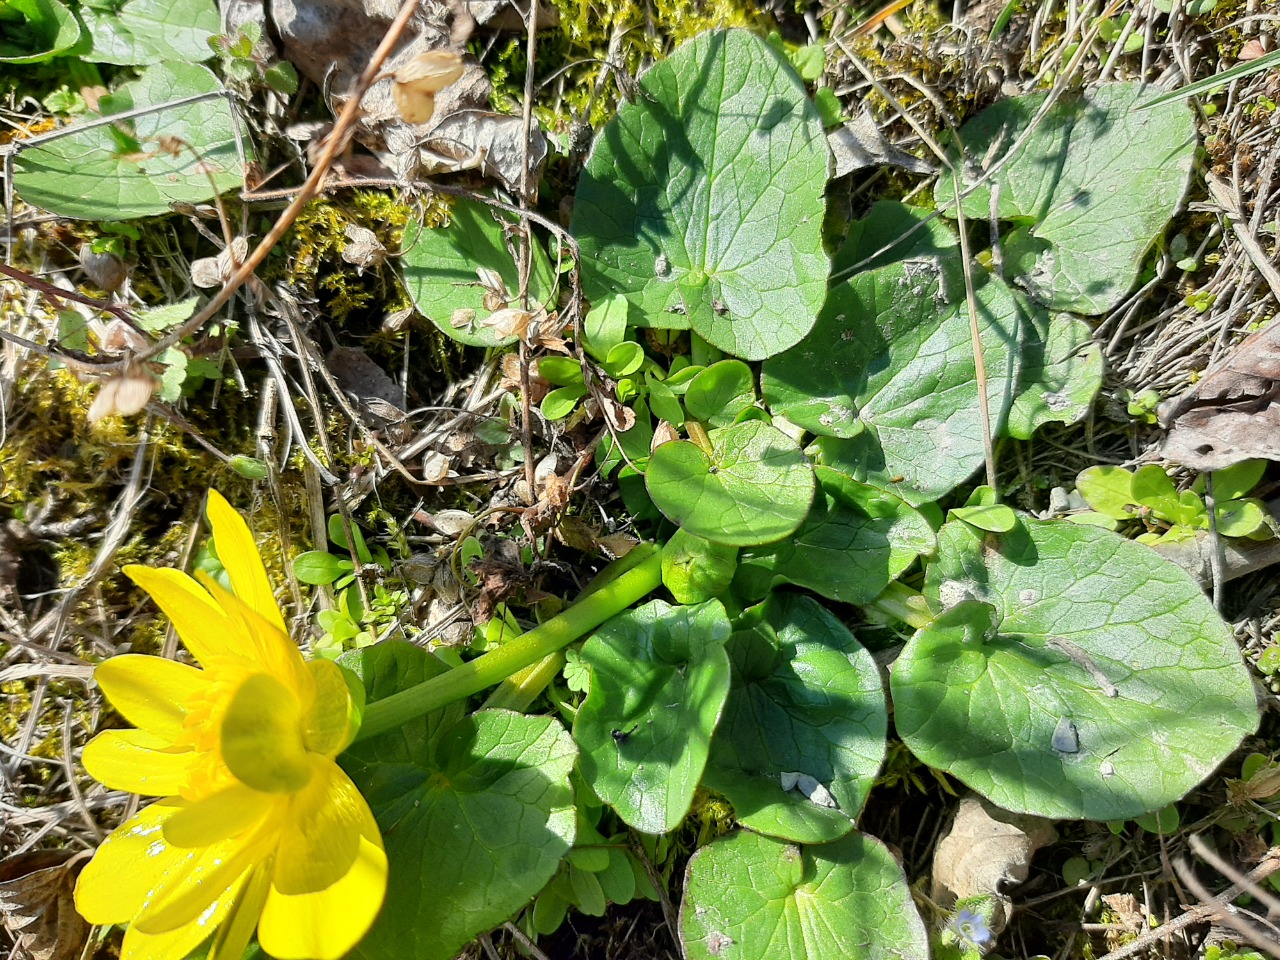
[1073,673]
[36,30]
[702,200]
[721,392]
[476,813]
[150,31]
[806,700]
[888,379]
[694,569]
[755,487]
[855,539]
[752,897]
[659,678]
[123,171]
[1091,187]
[441,272]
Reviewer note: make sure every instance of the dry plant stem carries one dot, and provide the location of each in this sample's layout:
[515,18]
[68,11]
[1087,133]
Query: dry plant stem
[56,293]
[526,252]
[1214,908]
[1228,913]
[334,145]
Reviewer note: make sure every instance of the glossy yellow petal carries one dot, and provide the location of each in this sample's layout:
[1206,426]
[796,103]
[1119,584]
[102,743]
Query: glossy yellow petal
[151,691]
[213,875]
[131,862]
[322,835]
[233,936]
[334,716]
[225,814]
[139,762]
[268,645]
[262,737]
[239,554]
[325,925]
[180,941]
[203,627]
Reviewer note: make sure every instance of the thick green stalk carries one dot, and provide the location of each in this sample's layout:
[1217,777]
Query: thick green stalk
[643,576]
[900,602]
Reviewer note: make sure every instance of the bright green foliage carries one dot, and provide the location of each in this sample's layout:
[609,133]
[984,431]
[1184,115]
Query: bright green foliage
[779,901]
[753,486]
[694,569]
[1089,188]
[1055,644]
[659,678]
[36,30]
[702,201]
[440,272]
[806,700]
[150,31]
[720,393]
[478,812]
[139,167]
[853,542]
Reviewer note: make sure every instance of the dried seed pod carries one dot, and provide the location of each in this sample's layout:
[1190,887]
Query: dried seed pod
[105,270]
[420,79]
[124,395]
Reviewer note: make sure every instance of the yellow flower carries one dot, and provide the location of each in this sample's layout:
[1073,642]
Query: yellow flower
[258,827]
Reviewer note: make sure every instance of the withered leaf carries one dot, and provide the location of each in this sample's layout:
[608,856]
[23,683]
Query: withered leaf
[36,905]
[986,851]
[1233,413]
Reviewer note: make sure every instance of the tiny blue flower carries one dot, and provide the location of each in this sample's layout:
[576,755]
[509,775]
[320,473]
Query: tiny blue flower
[971,927]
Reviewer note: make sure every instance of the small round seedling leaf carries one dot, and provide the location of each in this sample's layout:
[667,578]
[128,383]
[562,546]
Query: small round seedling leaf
[888,379]
[720,393]
[459,275]
[659,678]
[806,701]
[1073,673]
[1096,180]
[694,569]
[175,154]
[855,539]
[752,896]
[755,487]
[1109,490]
[702,200]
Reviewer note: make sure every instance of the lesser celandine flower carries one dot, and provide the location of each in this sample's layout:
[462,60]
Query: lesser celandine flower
[258,827]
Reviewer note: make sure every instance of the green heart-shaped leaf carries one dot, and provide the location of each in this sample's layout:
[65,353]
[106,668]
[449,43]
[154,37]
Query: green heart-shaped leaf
[702,201]
[754,487]
[1073,674]
[854,541]
[41,30]
[750,896]
[806,699]
[659,678]
[149,31]
[1098,177]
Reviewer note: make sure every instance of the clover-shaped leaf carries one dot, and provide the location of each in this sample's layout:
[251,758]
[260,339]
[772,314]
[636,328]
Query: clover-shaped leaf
[751,896]
[806,701]
[754,486]
[854,540]
[659,678]
[1073,673]
[702,200]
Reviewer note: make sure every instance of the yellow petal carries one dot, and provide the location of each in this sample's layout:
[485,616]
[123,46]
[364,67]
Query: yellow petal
[200,623]
[322,836]
[239,554]
[233,935]
[114,885]
[180,941]
[334,716]
[151,691]
[225,814]
[268,645]
[325,925]
[262,737]
[213,875]
[139,762]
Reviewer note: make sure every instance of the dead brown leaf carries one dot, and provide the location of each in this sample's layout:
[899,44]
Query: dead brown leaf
[1233,413]
[987,851]
[37,908]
